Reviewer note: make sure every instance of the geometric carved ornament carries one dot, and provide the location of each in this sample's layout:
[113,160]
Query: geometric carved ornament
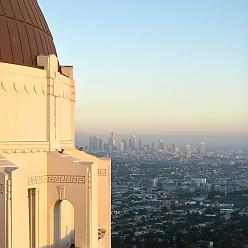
[56,179]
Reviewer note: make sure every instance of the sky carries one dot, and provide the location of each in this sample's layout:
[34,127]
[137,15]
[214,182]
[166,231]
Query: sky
[169,67]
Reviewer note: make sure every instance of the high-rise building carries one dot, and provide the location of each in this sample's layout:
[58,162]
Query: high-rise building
[118,145]
[112,141]
[106,147]
[125,144]
[161,146]
[188,149]
[165,148]
[92,143]
[121,147]
[154,146]
[174,148]
[99,144]
[132,142]
[177,150]
[51,194]
[95,144]
[202,148]
[140,144]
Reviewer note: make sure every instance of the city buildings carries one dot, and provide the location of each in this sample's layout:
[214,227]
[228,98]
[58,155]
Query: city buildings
[188,149]
[203,148]
[161,145]
[114,143]
[132,142]
[160,199]
[140,144]
[95,144]
[51,194]
[154,182]
[111,140]
[174,148]
[154,146]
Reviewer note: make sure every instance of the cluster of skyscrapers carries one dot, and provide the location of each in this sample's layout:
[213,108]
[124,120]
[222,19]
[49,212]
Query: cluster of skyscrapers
[96,144]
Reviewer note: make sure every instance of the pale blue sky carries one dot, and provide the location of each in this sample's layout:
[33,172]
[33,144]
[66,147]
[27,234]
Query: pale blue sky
[177,67]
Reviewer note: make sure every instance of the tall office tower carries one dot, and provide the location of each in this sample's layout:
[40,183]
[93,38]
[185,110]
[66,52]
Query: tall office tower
[121,147]
[95,144]
[161,145]
[165,148]
[110,142]
[133,141]
[125,143]
[154,146]
[105,147]
[99,144]
[188,149]
[113,140]
[92,143]
[117,145]
[51,194]
[177,150]
[140,144]
[174,148]
[202,148]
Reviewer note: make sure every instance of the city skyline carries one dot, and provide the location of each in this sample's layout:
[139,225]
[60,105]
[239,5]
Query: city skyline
[164,67]
[114,143]
[213,142]
[174,144]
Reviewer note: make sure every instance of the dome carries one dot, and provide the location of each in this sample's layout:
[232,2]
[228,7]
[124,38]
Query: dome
[24,33]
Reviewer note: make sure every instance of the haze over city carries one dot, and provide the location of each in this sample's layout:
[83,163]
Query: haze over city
[157,67]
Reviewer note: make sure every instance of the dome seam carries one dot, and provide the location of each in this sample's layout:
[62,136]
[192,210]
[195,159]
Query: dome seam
[18,20]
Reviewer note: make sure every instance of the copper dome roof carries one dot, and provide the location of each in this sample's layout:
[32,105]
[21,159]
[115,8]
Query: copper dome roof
[24,33]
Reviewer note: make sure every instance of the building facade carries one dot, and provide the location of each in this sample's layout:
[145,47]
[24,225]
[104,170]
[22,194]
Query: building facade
[51,194]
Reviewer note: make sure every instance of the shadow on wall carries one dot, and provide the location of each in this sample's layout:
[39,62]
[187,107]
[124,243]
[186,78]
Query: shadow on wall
[64,230]
[66,242]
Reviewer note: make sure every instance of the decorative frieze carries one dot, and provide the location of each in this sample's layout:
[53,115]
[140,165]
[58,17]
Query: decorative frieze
[29,88]
[56,179]
[102,172]
[61,90]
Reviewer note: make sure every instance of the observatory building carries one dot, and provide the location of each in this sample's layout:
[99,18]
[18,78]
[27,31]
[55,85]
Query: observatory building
[51,194]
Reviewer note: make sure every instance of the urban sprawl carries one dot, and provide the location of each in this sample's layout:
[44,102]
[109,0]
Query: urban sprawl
[176,196]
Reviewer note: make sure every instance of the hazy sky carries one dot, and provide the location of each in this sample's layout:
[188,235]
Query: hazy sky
[176,67]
